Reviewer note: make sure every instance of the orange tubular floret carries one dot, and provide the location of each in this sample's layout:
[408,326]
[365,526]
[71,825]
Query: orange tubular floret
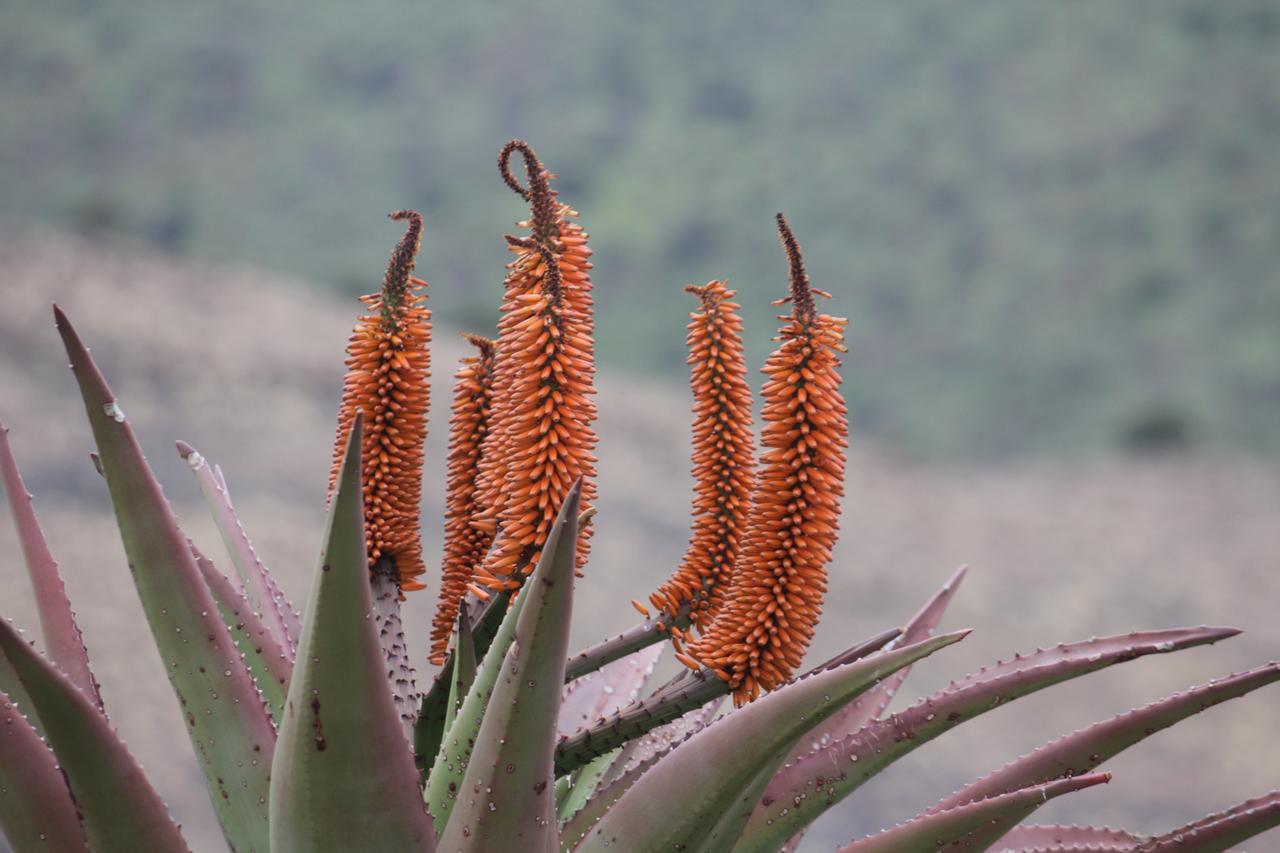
[540,439]
[760,634]
[723,448]
[465,544]
[387,379]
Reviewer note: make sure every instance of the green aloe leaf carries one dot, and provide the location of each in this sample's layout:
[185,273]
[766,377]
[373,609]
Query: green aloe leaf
[121,811]
[582,784]
[507,799]
[428,732]
[36,811]
[450,765]
[12,687]
[462,672]
[698,796]
[270,665]
[227,722]
[62,639]
[343,776]
[1084,750]
[808,786]
[273,609]
[971,827]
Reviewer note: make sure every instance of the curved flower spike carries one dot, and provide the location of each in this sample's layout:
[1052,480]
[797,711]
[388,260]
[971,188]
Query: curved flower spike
[540,438]
[388,367]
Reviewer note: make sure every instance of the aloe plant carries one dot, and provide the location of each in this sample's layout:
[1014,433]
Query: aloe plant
[313,735]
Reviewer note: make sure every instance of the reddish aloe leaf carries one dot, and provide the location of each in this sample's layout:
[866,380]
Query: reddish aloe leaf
[220,701]
[971,827]
[658,741]
[805,788]
[1219,832]
[872,704]
[605,796]
[62,639]
[275,611]
[268,662]
[1084,750]
[121,811]
[608,689]
[692,797]
[691,690]
[36,811]
[507,797]
[343,777]
[1096,838]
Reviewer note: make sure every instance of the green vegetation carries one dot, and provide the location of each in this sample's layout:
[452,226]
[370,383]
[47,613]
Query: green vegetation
[1055,227]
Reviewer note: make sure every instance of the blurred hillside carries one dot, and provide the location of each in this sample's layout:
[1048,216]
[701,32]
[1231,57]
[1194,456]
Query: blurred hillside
[247,366]
[1056,227]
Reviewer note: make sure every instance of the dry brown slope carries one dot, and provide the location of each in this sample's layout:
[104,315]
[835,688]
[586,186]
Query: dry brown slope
[247,368]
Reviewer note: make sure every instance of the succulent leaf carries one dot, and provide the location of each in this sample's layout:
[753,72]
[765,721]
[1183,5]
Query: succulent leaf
[62,639]
[219,699]
[342,777]
[972,827]
[1037,837]
[1219,832]
[656,742]
[872,704]
[805,788]
[582,783]
[121,811]
[12,687]
[690,690]
[269,664]
[428,732]
[36,808]
[507,800]
[605,735]
[1087,748]
[273,609]
[462,672]
[688,798]
[445,779]
[608,689]
[629,764]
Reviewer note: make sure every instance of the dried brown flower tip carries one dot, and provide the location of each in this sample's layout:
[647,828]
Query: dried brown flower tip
[761,632]
[465,544]
[540,438]
[723,458]
[387,379]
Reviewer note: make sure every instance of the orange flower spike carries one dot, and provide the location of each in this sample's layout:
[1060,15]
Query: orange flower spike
[388,364]
[552,225]
[465,544]
[723,457]
[541,432]
[764,627]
